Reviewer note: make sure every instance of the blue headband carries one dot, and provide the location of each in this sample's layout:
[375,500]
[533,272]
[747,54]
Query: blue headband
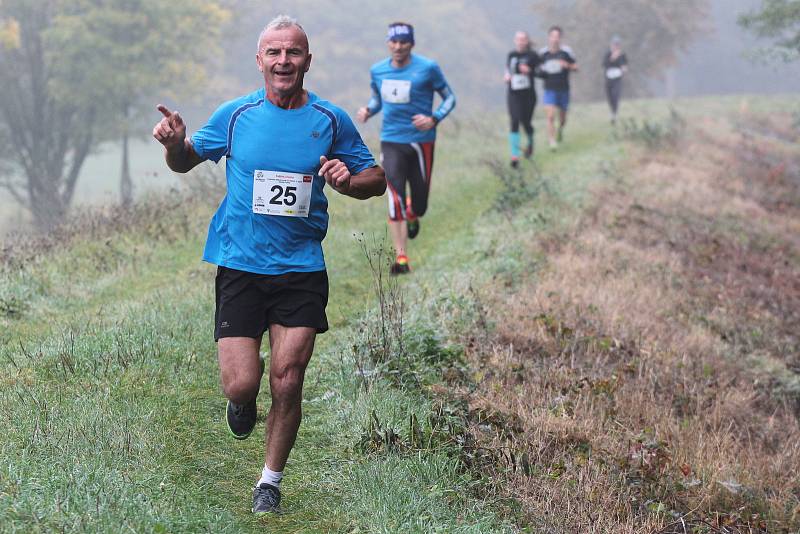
[401,32]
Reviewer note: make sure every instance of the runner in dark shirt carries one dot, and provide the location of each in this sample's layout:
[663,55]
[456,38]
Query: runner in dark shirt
[557,62]
[615,66]
[521,94]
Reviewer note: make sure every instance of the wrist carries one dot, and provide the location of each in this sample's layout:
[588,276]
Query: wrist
[176,148]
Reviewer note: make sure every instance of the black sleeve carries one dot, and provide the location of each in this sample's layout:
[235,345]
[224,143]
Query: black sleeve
[607,60]
[508,62]
[623,59]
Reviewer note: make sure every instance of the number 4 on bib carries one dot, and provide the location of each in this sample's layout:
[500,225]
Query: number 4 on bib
[396,91]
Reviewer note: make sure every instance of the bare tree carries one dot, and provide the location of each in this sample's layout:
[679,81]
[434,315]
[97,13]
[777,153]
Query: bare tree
[778,20]
[48,138]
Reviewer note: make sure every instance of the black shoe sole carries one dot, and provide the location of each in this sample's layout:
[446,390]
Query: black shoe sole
[398,269]
[228,426]
[413,230]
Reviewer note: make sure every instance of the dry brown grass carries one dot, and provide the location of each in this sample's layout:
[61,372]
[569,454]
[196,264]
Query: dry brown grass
[634,383]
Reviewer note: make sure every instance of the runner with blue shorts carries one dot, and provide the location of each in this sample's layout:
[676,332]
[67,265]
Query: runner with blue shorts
[557,62]
[403,86]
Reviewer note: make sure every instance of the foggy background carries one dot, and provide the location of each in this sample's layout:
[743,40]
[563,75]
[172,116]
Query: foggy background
[469,39]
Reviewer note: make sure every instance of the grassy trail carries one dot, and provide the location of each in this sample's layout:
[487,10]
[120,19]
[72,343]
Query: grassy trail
[110,386]
[109,381]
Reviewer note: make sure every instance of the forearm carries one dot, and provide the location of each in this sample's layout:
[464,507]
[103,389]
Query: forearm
[374,105]
[447,105]
[181,157]
[368,183]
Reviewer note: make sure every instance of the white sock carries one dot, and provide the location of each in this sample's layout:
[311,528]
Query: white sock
[273,478]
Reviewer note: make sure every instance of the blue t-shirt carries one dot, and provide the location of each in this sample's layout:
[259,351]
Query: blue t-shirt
[405,92]
[253,134]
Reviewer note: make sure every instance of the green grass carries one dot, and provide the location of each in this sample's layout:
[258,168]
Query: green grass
[109,380]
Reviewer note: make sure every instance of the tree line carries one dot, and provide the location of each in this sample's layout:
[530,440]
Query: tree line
[74,74]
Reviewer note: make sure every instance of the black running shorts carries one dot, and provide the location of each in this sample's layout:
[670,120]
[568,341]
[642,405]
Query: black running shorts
[412,164]
[247,303]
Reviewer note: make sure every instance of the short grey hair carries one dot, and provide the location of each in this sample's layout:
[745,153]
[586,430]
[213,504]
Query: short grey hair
[278,23]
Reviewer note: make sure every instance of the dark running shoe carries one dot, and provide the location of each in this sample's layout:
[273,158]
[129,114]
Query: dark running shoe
[241,419]
[400,266]
[528,152]
[514,163]
[266,499]
[413,228]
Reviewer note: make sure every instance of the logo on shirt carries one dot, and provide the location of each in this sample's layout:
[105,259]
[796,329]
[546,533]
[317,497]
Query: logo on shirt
[315,134]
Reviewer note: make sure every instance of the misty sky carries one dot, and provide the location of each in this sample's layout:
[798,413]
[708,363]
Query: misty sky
[470,42]
[469,38]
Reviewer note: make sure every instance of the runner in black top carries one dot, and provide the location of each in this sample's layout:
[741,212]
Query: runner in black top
[557,63]
[615,65]
[520,67]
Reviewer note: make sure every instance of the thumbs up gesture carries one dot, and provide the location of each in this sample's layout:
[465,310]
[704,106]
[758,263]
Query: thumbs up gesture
[335,173]
[170,131]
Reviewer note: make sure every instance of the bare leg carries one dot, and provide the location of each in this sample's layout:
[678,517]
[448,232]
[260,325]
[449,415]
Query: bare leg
[239,368]
[399,233]
[291,349]
[551,122]
[563,117]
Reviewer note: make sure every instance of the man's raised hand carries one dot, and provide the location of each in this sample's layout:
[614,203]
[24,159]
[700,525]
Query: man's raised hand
[170,131]
[363,114]
[335,173]
[422,122]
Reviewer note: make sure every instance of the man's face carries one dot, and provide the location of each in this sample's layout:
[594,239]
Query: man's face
[521,41]
[400,50]
[554,39]
[283,58]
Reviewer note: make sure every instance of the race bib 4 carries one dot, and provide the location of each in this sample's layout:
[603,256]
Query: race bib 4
[396,91]
[286,194]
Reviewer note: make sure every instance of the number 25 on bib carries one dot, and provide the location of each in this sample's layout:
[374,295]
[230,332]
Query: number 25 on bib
[286,194]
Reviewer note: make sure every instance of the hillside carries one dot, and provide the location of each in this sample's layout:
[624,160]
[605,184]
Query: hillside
[605,342]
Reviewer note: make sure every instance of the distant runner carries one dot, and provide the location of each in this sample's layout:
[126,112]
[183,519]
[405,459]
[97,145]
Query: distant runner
[281,146]
[403,86]
[615,65]
[557,63]
[521,65]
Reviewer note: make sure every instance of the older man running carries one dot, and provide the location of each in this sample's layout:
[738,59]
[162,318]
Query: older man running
[282,145]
